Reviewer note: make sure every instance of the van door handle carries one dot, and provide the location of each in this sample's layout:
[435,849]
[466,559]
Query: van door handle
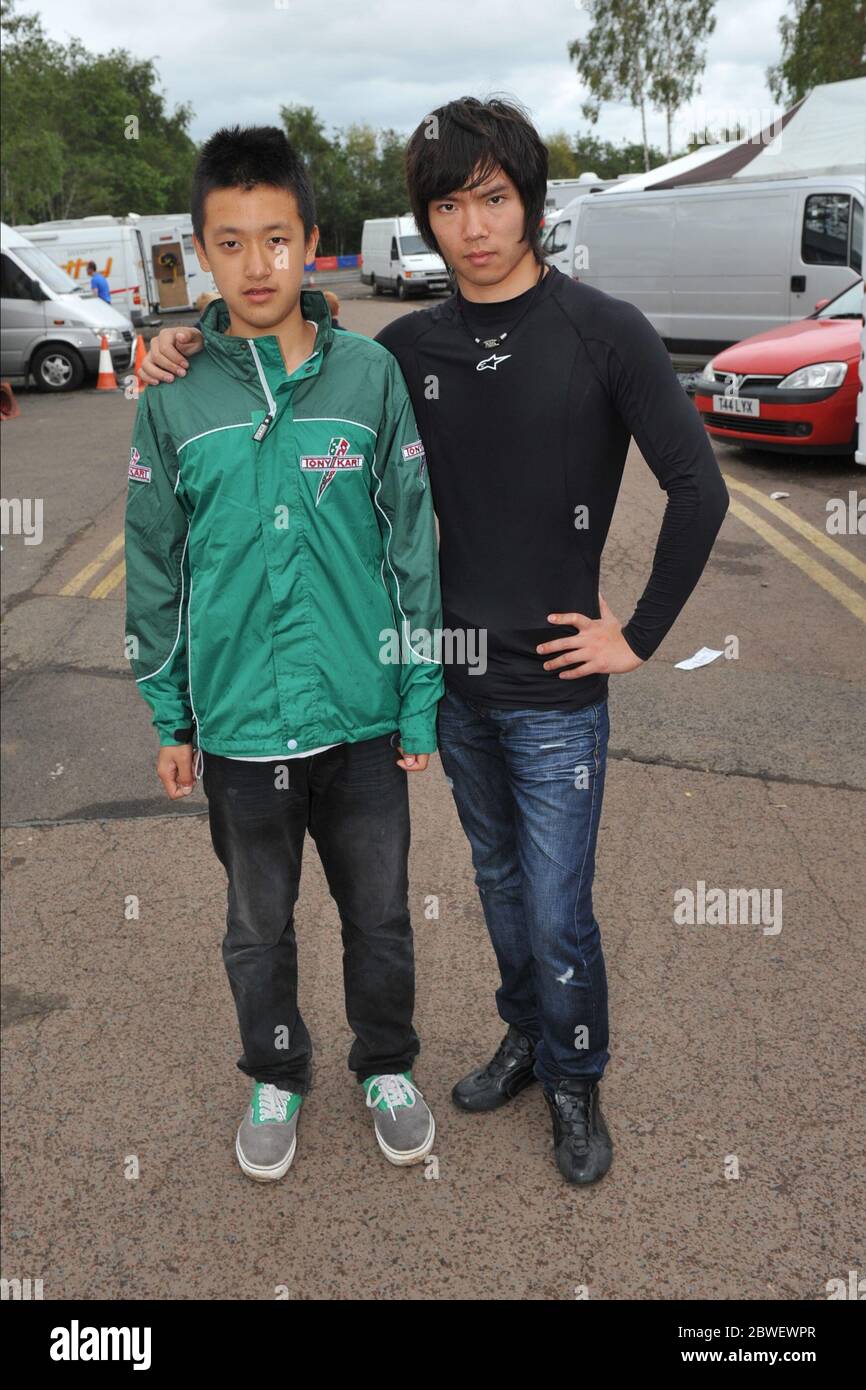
[798,284]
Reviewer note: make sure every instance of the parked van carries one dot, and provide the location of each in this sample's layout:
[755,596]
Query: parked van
[394,257]
[560,192]
[116,246]
[149,261]
[50,327]
[710,264]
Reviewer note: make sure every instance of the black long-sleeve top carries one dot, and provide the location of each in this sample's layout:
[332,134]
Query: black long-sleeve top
[520,439]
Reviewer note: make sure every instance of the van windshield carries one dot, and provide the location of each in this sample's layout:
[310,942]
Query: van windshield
[413,246]
[50,274]
[847,305]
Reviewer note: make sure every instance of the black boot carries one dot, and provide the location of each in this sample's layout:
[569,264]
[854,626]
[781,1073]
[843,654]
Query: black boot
[508,1072]
[584,1151]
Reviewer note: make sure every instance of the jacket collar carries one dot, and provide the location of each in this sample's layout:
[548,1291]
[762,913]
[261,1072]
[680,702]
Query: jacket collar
[234,354]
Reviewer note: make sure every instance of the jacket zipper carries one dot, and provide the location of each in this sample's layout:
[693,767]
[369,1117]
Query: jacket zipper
[272,405]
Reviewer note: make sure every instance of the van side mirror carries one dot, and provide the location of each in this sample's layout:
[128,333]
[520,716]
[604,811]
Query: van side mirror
[37,293]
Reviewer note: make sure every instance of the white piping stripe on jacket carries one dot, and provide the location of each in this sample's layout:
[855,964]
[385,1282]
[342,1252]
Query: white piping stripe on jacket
[432,660]
[337,420]
[179,616]
[243,424]
[189,659]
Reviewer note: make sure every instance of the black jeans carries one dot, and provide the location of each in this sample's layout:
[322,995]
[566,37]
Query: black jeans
[354,801]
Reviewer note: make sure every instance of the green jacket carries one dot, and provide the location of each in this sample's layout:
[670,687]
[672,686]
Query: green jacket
[281,549]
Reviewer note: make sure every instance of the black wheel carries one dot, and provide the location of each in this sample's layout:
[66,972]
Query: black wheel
[57,367]
[377,288]
[402,292]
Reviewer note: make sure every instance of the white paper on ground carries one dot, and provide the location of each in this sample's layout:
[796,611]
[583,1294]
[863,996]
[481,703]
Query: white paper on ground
[701,658]
[776,496]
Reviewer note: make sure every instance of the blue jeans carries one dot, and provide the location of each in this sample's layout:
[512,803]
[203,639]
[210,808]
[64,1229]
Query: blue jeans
[528,785]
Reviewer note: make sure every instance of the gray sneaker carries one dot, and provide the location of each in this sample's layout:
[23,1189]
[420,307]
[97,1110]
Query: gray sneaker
[405,1129]
[267,1137]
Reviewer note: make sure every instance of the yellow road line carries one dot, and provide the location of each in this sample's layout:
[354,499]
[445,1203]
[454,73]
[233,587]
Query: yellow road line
[810,533]
[93,568]
[839,591]
[111,581]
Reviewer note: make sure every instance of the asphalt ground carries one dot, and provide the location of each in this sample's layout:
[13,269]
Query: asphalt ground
[734,1093]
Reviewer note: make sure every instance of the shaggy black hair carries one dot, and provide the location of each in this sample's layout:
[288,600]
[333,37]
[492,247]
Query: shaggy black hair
[461,144]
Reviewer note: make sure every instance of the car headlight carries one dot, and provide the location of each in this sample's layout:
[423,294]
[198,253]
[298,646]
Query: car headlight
[708,374]
[817,376]
[113,336]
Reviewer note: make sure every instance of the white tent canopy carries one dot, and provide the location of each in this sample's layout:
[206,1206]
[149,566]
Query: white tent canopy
[824,133]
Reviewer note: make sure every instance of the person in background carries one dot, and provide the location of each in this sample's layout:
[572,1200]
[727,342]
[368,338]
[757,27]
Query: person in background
[98,282]
[334,306]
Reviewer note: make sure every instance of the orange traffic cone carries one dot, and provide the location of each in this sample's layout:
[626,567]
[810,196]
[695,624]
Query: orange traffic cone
[106,380]
[8,405]
[140,354]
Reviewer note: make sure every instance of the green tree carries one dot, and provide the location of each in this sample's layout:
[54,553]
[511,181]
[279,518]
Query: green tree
[615,60]
[679,28]
[608,161]
[644,52]
[823,41]
[85,134]
[562,164]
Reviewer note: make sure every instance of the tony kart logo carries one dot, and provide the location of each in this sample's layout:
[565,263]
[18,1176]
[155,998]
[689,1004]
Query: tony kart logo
[138,471]
[415,451]
[331,463]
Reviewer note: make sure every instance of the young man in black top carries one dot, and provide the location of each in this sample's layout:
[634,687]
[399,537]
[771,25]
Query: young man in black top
[527,386]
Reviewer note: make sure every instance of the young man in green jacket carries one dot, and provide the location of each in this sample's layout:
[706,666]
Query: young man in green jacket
[279,536]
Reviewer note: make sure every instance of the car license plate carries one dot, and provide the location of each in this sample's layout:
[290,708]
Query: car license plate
[737,405]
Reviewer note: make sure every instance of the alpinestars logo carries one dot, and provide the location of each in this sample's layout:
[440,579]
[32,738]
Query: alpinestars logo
[489,364]
[331,463]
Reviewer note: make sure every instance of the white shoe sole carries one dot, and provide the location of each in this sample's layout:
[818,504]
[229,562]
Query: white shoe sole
[401,1157]
[277,1170]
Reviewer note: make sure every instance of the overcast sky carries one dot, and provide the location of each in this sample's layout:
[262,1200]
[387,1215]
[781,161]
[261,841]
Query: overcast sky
[389,62]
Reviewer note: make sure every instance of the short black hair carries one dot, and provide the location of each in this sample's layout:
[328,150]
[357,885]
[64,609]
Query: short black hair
[91,265]
[469,135]
[243,156]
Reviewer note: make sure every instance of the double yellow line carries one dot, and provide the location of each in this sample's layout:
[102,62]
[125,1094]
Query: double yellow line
[111,580]
[818,573]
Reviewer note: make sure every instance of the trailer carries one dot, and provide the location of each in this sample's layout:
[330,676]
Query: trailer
[149,261]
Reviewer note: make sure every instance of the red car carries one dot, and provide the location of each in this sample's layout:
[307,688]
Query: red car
[793,387]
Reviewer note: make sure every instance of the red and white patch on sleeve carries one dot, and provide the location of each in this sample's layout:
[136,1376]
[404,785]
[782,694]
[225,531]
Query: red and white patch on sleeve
[138,472]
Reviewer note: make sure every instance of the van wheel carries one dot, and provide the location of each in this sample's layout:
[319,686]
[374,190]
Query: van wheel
[57,368]
[402,292]
[377,288]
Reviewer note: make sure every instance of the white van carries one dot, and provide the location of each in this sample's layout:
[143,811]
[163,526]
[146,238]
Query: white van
[394,257]
[560,192]
[710,264]
[118,249]
[50,327]
[149,261]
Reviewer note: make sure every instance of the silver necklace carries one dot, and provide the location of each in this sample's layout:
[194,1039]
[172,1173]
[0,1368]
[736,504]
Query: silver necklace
[500,339]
